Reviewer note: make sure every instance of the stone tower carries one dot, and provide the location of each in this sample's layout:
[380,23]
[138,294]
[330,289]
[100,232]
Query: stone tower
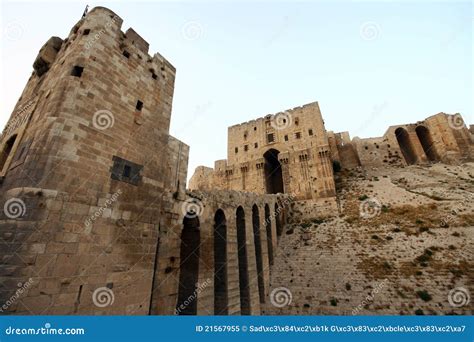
[287,152]
[89,172]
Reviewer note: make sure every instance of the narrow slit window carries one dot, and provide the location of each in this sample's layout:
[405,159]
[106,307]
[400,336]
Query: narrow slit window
[139,105]
[127,170]
[126,53]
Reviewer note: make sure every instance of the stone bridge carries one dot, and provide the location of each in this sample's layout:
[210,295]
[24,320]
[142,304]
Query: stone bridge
[216,260]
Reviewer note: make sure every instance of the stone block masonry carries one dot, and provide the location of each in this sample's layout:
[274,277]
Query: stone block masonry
[97,220]
[287,152]
[96,215]
[96,124]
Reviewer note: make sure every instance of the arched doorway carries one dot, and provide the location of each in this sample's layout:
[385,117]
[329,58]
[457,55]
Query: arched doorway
[258,252]
[268,228]
[7,149]
[243,264]
[220,264]
[273,172]
[279,227]
[405,145]
[427,143]
[189,267]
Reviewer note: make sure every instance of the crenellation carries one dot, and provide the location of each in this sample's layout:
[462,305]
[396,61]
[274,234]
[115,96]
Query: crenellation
[100,199]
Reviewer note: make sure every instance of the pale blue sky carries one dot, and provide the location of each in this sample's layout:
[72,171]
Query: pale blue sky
[241,60]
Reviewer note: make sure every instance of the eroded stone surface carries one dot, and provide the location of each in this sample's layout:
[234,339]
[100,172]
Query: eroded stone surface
[94,199]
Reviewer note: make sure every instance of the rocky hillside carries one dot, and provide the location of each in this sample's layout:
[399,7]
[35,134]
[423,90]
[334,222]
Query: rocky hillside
[402,243]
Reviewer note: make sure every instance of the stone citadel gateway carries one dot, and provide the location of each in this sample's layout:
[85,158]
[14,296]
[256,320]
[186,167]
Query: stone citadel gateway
[97,218]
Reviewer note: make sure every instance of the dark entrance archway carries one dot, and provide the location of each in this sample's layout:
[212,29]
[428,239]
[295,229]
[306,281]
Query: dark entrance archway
[405,145]
[273,172]
[243,264]
[427,143]
[220,264]
[189,267]
[258,252]
[268,228]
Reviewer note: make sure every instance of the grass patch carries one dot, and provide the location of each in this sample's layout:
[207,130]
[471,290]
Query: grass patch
[419,312]
[424,295]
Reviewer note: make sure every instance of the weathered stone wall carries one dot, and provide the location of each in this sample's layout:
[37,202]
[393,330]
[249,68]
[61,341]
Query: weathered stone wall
[177,157]
[93,189]
[92,169]
[300,141]
[343,150]
[167,273]
[202,179]
[97,188]
[321,208]
[374,152]
[438,138]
